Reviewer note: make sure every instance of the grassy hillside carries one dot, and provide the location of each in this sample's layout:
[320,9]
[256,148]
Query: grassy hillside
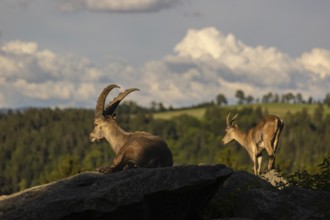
[279,109]
[195,112]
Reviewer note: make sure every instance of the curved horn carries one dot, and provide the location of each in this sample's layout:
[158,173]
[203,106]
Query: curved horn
[227,120]
[100,101]
[111,108]
[234,118]
[231,121]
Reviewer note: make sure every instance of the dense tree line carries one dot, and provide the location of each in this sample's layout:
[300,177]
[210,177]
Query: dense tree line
[41,145]
[271,97]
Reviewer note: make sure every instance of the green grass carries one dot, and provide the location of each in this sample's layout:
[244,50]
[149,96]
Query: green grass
[279,109]
[195,112]
[282,109]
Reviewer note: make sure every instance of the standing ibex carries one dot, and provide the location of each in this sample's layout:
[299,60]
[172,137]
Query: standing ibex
[132,149]
[264,136]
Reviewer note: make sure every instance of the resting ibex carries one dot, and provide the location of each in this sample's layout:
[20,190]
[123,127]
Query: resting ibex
[264,136]
[132,149]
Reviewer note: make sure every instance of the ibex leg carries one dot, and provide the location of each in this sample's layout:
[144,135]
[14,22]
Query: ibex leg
[271,154]
[259,159]
[117,165]
[105,169]
[255,165]
[280,125]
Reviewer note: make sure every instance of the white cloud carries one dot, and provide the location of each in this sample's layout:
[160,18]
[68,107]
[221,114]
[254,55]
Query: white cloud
[44,91]
[205,63]
[208,62]
[7,66]
[198,44]
[210,44]
[317,61]
[23,60]
[18,47]
[122,6]
[31,76]
[260,61]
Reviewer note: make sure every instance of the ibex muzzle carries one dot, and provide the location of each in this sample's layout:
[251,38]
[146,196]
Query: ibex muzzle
[132,149]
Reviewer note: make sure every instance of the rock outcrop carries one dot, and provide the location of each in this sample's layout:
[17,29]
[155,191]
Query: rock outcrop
[245,195]
[181,192]
[161,193]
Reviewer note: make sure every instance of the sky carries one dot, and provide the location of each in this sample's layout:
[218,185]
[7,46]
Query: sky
[62,53]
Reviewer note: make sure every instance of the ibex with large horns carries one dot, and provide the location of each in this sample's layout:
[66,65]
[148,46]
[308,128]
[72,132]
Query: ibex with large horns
[264,136]
[132,149]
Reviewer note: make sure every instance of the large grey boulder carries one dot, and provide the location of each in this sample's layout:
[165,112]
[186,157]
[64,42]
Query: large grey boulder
[245,195]
[161,193]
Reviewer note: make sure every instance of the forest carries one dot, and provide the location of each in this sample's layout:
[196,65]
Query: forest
[40,145]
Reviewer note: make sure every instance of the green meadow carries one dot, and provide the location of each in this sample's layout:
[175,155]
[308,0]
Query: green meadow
[279,109]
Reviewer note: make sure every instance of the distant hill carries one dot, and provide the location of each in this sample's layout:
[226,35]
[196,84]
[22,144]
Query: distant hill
[279,109]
